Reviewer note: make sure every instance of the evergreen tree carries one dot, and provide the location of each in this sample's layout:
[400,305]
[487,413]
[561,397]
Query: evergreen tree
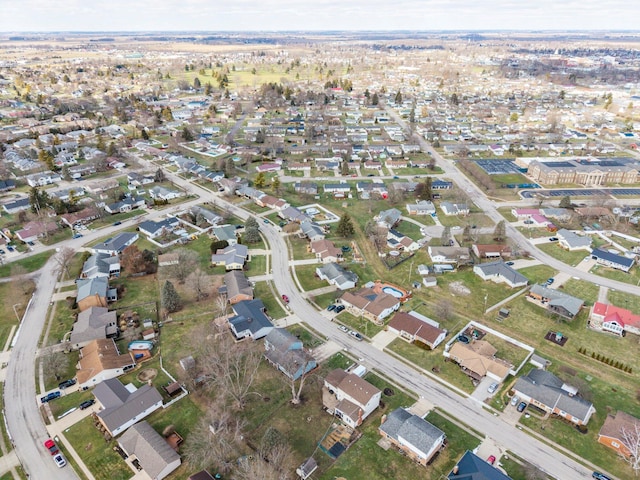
[446,236]
[171,301]
[260,180]
[398,98]
[251,223]
[187,135]
[275,184]
[345,226]
[374,99]
[565,202]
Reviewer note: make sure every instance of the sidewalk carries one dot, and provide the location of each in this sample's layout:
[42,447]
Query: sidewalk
[8,461]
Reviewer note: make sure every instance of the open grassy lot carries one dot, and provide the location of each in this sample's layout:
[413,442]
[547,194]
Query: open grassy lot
[587,291]
[30,264]
[478,219]
[62,322]
[263,291]
[360,324]
[460,440]
[599,391]
[257,265]
[13,303]
[326,299]
[506,213]
[308,338]
[298,246]
[519,469]
[537,273]
[570,258]
[96,453]
[534,232]
[307,276]
[632,277]
[624,300]
[66,360]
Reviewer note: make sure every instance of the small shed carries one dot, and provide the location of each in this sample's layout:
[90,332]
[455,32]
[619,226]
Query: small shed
[172,388]
[149,334]
[305,470]
[187,363]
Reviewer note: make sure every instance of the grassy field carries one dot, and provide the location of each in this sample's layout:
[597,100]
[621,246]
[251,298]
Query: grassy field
[62,322]
[360,324]
[570,258]
[633,277]
[506,213]
[587,291]
[263,291]
[30,264]
[624,300]
[307,276]
[13,303]
[257,265]
[537,273]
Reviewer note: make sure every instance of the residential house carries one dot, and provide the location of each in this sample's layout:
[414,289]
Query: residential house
[94,323]
[413,327]
[337,275]
[250,320]
[237,287]
[556,301]
[115,245]
[152,451]
[450,209]
[232,257]
[613,260]
[82,217]
[33,230]
[292,214]
[547,392]
[472,467]
[226,233]
[153,229]
[43,178]
[312,230]
[415,437]
[326,251]
[477,360]
[399,241]
[338,189]
[500,272]
[349,397]
[100,360]
[612,433]
[422,207]
[16,206]
[138,179]
[210,217]
[102,186]
[286,352]
[125,205]
[371,303]
[94,292]
[612,319]
[121,407]
[306,188]
[459,255]
[570,241]
[491,251]
[269,201]
[388,218]
[101,265]
[165,194]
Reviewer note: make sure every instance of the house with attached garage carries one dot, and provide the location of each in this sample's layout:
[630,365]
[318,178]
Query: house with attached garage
[121,407]
[450,209]
[613,260]
[236,287]
[227,233]
[388,218]
[153,229]
[101,360]
[449,254]
[326,251]
[349,397]
[413,436]
[95,323]
[555,301]
[125,205]
[414,327]
[547,392]
[94,292]
[336,275]
[115,245]
[477,360]
[571,241]
[472,467]
[250,320]
[165,194]
[286,352]
[491,251]
[152,452]
[500,272]
[618,431]
[423,207]
[311,230]
[612,319]
[232,257]
[370,303]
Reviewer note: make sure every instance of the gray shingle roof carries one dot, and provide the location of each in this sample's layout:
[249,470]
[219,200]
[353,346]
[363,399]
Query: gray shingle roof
[117,243]
[92,286]
[558,298]
[500,268]
[152,451]
[250,316]
[412,429]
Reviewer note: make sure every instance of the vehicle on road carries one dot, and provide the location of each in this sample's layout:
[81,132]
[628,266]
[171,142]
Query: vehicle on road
[266,221]
[553,239]
[115,224]
[51,446]
[60,461]
[2,251]
[87,403]
[491,459]
[285,299]
[344,329]
[340,308]
[355,335]
[67,383]
[492,388]
[331,308]
[599,476]
[515,400]
[510,263]
[77,235]
[50,396]
[31,244]
[522,406]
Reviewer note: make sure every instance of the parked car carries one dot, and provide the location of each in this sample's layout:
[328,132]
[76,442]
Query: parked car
[599,476]
[492,388]
[60,461]
[522,406]
[491,459]
[115,224]
[67,383]
[50,396]
[510,263]
[550,280]
[51,446]
[266,221]
[515,400]
[285,299]
[528,222]
[344,329]
[331,308]
[553,239]
[87,403]
[10,248]
[77,235]
[2,251]
[340,308]
[355,335]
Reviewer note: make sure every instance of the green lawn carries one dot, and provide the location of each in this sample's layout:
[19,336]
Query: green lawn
[263,291]
[307,276]
[624,300]
[257,265]
[62,322]
[506,213]
[537,273]
[298,246]
[50,381]
[518,469]
[587,291]
[633,277]
[360,324]
[14,299]
[570,258]
[534,232]
[324,300]
[30,264]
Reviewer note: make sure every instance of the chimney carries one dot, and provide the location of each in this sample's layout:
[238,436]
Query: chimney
[455,470]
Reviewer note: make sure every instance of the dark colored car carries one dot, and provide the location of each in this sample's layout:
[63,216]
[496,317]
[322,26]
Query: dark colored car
[522,406]
[117,223]
[509,263]
[50,396]
[51,446]
[86,404]
[340,308]
[331,307]
[67,383]
[599,476]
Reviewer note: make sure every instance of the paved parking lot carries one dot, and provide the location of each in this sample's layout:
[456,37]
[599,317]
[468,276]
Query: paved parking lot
[581,192]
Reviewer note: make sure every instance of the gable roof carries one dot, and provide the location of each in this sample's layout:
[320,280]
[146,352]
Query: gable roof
[412,429]
[237,284]
[100,355]
[153,451]
[94,323]
[558,299]
[118,243]
[572,239]
[620,315]
[352,385]
[478,357]
[92,286]
[338,274]
[415,326]
[499,268]
[613,425]
[249,316]
[612,257]
[99,263]
[472,467]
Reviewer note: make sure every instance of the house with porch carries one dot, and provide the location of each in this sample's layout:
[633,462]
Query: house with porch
[115,245]
[612,260]
[101,265]
[95,323]
[370,303]
[555,301]
[349,397]
[326,251]
[232,257]
[612,319]
[94,292]
[237,287]
[572,241]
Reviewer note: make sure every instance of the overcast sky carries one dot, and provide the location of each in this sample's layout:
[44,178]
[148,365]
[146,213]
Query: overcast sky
[274,15]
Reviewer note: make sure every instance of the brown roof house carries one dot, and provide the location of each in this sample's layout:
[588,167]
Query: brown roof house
[491,251]
[414,327]
[153,453]
[371,304]
[236,287]
[123,406]
[326,251]
[477,359]
[101,360]
[617,432]
[349,397]
[95,323]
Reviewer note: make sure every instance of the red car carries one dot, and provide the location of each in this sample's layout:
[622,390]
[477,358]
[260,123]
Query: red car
[491,459]
[51,446]
[285,299]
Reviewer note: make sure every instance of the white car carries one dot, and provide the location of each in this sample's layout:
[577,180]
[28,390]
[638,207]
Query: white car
[515,400]
[492,388]
[59,459]
[344,329]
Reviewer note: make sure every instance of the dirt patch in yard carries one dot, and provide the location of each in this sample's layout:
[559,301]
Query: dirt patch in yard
[147,374]
[458,288]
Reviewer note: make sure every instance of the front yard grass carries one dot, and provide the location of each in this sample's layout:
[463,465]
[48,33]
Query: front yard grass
[360,324]
[263,291]
[556,251]
[537,273]
[632,277]
[13,296]
[628,301]
[586,291]
[30,264]
[307,277]
[257,265]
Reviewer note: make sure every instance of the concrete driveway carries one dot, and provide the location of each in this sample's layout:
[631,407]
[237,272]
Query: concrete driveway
[480,394]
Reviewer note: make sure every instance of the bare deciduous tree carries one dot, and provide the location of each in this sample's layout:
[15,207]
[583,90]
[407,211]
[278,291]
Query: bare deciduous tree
[20,280]
[187,262]
[444,309]
[274,460]
[631,440]
[55,364]
[62,259]
[199,283]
